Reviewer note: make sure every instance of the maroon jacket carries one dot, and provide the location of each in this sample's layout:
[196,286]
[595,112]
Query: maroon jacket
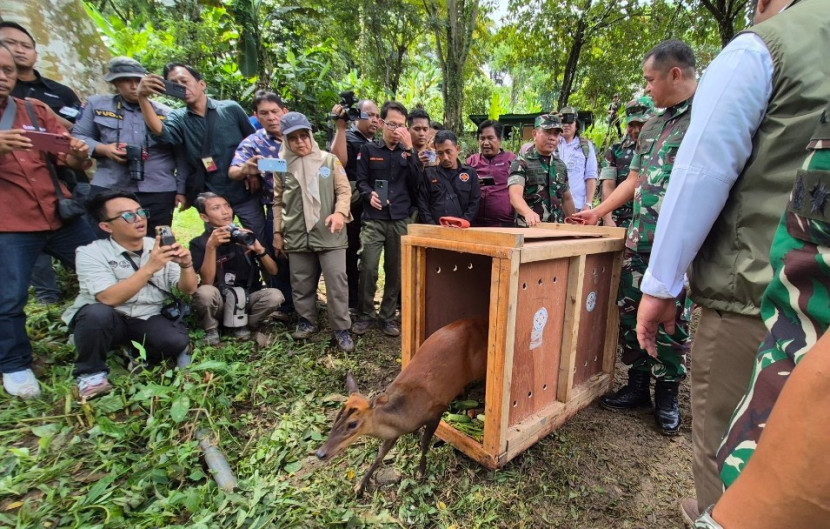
[494,208]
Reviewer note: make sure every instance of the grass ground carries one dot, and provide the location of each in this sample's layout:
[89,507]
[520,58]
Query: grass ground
[130,459]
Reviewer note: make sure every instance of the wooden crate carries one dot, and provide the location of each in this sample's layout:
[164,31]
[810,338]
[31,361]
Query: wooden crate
[538,374]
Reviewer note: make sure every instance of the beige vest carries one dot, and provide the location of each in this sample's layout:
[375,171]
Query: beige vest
[732,268]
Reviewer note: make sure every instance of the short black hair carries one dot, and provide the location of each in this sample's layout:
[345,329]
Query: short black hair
[496,126]
[417,113]
[392,105]
[443,135]
[202,199]
[170,65]
[671,53]
[437,125]
[266,95]
[18,27]
[96,206]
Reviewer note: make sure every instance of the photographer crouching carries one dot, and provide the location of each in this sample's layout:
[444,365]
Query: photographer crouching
[230,262]
[126,283]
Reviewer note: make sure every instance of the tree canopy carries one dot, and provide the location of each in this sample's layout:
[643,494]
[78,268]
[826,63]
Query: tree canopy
[453,58]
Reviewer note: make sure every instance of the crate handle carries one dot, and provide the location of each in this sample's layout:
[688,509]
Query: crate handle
[454,222]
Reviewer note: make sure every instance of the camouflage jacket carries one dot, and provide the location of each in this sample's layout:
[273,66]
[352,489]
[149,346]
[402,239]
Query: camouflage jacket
[653,160]
[544,185]
[615,167]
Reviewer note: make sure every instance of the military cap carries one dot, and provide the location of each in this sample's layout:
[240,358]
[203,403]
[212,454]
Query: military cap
[124,67]
[636,110]
[293,121]
[548,121]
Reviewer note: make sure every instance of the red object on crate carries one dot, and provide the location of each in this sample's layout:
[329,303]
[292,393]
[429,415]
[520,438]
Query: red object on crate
[454,222]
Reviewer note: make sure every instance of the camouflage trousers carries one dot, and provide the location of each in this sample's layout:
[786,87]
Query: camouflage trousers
[795,308]
[670,364]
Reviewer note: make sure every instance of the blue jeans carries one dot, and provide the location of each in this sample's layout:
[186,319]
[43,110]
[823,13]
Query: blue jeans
[18,253]
[45,281]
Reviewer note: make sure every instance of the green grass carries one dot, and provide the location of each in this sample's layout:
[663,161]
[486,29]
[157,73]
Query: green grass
[187,225]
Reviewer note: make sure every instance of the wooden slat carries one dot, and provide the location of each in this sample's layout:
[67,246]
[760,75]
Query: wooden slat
[503,292]
[494,251]
[471,235]
[573,310]
[616,233]
[525,435]
[467,445]
[612,329]
[409,305]
[546,250]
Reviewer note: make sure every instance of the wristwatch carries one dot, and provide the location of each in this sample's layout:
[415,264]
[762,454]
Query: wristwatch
[705,521]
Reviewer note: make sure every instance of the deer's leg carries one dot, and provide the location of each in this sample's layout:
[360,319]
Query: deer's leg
[384,449]
[426,437]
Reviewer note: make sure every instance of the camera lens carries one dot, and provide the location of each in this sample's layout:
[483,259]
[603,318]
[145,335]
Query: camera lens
[135,162]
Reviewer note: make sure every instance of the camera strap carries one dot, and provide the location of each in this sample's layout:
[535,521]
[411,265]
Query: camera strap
[135,267]
[9,114]
[210,120]
[119,109]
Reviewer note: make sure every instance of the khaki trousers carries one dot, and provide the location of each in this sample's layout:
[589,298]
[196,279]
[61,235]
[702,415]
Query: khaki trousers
[723,353]
[305,275]
[208,304]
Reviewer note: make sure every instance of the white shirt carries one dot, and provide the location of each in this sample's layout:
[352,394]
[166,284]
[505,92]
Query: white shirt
[579,169]
[729,105]
[103,263]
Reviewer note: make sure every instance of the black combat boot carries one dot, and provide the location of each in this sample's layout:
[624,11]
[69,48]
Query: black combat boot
[633,395]
[666,410]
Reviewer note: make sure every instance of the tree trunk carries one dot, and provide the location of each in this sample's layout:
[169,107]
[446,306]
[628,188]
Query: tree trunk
[77,56]
[573,56]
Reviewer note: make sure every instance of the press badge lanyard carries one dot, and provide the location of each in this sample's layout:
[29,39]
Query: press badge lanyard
[207,159]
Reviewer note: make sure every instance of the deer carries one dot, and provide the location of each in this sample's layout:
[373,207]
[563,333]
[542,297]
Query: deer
[452,357]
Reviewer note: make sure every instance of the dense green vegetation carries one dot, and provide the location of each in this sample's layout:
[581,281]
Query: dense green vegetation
[454,58]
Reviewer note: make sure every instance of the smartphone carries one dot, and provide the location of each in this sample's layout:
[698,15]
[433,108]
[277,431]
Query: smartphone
[486,181]
[382,189]
[174,89]
[166,234]
[272,165]
[46,141]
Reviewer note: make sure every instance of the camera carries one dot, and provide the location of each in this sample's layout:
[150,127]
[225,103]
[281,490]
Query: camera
[135,162]
[239,236]
[348,102]
[176,310]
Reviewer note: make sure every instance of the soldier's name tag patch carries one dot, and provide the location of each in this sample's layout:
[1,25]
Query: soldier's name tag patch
[107,114]
[325,172]
[464,177]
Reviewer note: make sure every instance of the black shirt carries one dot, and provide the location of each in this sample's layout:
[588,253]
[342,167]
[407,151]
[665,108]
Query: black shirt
[54,94]
[402,171]
[354,141]
[234,268]
[448,193]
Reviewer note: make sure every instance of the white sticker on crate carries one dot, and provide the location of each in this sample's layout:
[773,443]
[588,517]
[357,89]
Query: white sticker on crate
[540,319]
[591,302]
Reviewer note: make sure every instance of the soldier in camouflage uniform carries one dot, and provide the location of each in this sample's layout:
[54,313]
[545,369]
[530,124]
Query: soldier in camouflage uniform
[796,304]
[538,181]
[669,71]
[618,158]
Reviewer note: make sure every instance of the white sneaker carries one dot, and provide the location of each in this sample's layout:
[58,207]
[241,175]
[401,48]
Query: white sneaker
[22,384]
[90,386]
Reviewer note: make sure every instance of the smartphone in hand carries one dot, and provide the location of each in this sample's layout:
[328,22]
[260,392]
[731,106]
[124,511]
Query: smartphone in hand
[272,165]
[166,234]
[46,141]
[382,189]
[174,89]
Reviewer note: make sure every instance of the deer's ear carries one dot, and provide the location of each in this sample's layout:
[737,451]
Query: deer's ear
[380,400]
[351,384]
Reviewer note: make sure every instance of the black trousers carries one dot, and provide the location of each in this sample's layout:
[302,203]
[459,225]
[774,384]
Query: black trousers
[99,328]
[352,272]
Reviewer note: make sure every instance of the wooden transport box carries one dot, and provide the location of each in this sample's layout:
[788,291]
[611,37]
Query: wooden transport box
[550,295]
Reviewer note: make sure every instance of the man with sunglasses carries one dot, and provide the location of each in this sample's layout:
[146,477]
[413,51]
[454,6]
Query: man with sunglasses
[580,156]
[29,224]
[125,280]
[114,129]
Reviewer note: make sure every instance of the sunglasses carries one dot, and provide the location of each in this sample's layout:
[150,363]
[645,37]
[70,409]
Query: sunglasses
[130,217]
[568,118]
[636,110]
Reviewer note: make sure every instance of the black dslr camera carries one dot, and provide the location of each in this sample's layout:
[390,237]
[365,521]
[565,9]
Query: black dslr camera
[239,236]
[348,102]
[135,161]
[176,309]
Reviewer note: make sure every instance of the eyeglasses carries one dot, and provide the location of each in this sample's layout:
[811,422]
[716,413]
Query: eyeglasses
[130,217]
[391,126]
